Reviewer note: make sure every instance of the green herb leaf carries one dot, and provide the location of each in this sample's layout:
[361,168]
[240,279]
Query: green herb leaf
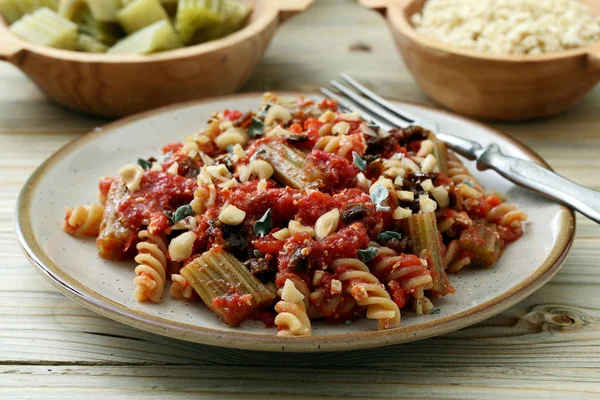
[387,236]
[144,164]
[435,311]
[360,162]
[379,195]
[368,254]
[181,213]
[256,128]
[263,112]
[264,225]
[258,153]
[468,183]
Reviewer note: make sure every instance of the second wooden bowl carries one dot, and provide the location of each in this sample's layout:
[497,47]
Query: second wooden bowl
[114,86]
[486,86]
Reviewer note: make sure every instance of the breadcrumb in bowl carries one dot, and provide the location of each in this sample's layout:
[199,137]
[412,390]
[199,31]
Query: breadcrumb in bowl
[487,85]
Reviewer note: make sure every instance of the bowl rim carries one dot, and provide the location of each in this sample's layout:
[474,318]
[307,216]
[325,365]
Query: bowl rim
[244,340]
[396,14]
[258,22]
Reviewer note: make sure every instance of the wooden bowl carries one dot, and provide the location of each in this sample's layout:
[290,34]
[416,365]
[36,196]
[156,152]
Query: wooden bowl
[486,86]
[114,86]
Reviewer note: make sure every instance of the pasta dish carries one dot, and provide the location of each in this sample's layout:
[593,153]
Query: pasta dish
[296,212]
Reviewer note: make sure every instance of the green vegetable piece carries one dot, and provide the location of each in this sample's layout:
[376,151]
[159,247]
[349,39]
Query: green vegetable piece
[256,128]
[368,254]
[104,10]
[440,152]
[89,44]
[45,27]
[435,311]
[428,245]
[144,164]
[379,195]
[105,32]
[289,165]
[388,235]
[157,37]
[264,225]
[181,213]
[217,276]
[359,161]
[139,14]
[195,14]
[14,10]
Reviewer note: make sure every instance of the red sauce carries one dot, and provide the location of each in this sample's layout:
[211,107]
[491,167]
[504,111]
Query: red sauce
[172,147]
[232,115]
[158,191]
[104,184]
[234,307]
[336,171]
[328,104]
[341,244]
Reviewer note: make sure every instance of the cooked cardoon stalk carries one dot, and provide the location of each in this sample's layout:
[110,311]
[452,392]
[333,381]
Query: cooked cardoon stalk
[45,27]
[226,286]
[427,244]
[440,151]
[69,8]
[13,10]
[157,37]
[104,10]
[234,15]
[289,164]
[484,242]
[139,14]
[105,32]
[196,14]
[89,44]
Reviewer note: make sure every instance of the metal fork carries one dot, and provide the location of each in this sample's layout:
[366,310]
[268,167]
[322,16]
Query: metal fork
[528,174]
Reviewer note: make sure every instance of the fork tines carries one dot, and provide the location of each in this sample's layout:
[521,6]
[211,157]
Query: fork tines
[371,106]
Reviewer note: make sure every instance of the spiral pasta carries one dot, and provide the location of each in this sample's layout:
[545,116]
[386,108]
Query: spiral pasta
[180,289]
[466,184]
[291,319]
[368,291]
[404,271]
[83,220]
[152,268]
[455,259]
[509,220]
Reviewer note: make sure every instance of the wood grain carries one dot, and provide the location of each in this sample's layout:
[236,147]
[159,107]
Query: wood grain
[548,346]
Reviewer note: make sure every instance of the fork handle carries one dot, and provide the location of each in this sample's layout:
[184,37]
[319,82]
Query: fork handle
[542,180]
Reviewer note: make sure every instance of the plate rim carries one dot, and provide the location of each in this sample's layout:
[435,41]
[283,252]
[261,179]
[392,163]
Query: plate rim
[240,339]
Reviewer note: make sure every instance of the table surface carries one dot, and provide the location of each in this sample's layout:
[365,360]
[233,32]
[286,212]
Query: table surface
[53,348]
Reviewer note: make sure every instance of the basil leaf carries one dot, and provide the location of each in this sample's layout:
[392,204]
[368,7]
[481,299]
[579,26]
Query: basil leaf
[264,225]
[258,153]
[359,161]
[256,128]
[263,112]
[378,197]
[435,311]
[144,164]
[368,254]
[181,213]
[388,235]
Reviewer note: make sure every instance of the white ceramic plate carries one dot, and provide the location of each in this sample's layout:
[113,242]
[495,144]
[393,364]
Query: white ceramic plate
[70,177]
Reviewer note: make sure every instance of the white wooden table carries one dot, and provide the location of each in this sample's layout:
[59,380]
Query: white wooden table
[51,348]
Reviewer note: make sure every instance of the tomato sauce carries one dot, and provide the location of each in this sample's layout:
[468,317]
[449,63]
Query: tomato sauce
[158,191]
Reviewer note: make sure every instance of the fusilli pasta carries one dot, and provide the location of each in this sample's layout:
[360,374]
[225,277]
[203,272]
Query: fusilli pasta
[366,289]
[83,220]
[152,269]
